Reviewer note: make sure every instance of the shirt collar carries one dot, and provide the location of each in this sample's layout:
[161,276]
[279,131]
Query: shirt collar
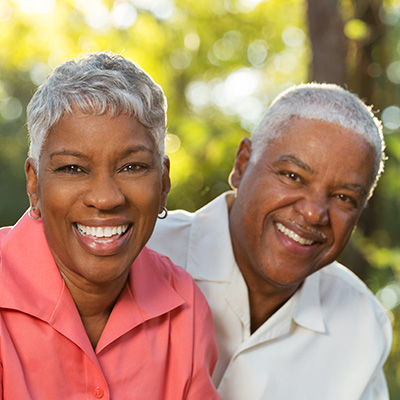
[309,313]
[148,294]
[210,253]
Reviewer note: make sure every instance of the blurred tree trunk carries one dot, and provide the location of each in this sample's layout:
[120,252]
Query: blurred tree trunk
[328,42]
[365,65]
[365,73]
[354,64]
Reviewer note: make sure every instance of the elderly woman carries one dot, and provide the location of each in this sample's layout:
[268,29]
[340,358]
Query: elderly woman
[86,310]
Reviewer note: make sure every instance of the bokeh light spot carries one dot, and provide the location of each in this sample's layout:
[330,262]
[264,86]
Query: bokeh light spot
[36,6]
[192,41]
[10,108]
[391,117]
[393,72]
[5,11]
[172,143]
[123,15]
[257,52]
[293,36]
[39,72]
[180,59]
[389,296]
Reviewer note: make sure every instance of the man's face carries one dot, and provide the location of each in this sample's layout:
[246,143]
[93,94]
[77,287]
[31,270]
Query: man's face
[297,206]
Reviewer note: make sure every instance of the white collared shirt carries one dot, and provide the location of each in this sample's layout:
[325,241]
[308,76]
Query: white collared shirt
[329,341]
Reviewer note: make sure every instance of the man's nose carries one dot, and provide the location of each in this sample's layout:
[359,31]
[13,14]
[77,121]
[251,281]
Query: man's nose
[314,209]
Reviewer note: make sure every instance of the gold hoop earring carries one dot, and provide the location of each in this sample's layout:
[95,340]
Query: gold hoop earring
[163,213]
[37,216]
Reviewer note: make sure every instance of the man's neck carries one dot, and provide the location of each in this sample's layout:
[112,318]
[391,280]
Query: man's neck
[264,305]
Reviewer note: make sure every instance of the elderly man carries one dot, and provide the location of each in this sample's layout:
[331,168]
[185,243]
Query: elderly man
[292,323]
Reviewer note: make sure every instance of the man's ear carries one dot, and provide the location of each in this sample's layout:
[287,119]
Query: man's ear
[32,186]
[166,182]
[241,161]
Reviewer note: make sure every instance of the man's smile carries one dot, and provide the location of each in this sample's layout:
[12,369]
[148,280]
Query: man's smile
[294,236]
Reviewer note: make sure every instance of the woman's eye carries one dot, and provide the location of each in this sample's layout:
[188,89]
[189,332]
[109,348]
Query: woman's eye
[134,168]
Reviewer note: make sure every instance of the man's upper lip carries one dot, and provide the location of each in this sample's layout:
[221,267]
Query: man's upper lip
[304,231]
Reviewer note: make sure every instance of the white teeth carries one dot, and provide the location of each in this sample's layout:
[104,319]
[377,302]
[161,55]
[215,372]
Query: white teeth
[100,232]
[294,236]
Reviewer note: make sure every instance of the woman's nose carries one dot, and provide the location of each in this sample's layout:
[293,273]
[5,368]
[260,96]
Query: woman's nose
[104,193]
[313,209]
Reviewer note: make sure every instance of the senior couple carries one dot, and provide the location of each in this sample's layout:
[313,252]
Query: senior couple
[88,311]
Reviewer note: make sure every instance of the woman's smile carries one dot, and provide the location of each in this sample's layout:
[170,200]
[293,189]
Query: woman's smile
[102,240]
[101,232]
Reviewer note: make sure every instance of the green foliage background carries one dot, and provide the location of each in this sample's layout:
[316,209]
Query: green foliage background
[220,63]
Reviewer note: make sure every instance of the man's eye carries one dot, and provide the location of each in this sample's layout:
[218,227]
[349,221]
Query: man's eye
[70,169]
[347,199]
[292,176]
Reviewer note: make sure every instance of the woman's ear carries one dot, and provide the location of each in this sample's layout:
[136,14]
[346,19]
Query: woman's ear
[32,186]
[241,161]
[166,182]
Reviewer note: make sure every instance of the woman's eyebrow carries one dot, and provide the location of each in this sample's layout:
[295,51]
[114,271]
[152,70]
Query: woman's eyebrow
[74,153]
[67,153]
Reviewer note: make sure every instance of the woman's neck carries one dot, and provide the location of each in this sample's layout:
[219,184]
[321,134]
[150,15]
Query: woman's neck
[94,303]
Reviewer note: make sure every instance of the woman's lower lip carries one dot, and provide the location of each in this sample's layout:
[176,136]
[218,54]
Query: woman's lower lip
[106,246]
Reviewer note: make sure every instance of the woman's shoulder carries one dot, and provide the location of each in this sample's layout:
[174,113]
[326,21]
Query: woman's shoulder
[3,233]
[4,230]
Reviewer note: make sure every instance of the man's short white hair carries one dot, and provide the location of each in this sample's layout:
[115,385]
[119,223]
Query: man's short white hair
[323,102]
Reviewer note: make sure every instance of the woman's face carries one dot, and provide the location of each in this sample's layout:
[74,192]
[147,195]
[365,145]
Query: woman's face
[99,189]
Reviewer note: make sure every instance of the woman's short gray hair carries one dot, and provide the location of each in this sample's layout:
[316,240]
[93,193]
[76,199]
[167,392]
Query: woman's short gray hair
[97,83]
[322,102]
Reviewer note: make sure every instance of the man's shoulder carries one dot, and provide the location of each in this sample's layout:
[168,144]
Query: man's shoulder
[338,274]
[337,281]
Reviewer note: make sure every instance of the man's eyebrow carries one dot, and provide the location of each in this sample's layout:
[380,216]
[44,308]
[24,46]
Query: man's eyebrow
[354,188]
[291,159]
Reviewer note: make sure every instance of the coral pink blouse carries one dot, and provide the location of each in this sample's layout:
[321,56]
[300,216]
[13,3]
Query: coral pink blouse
[158,343]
